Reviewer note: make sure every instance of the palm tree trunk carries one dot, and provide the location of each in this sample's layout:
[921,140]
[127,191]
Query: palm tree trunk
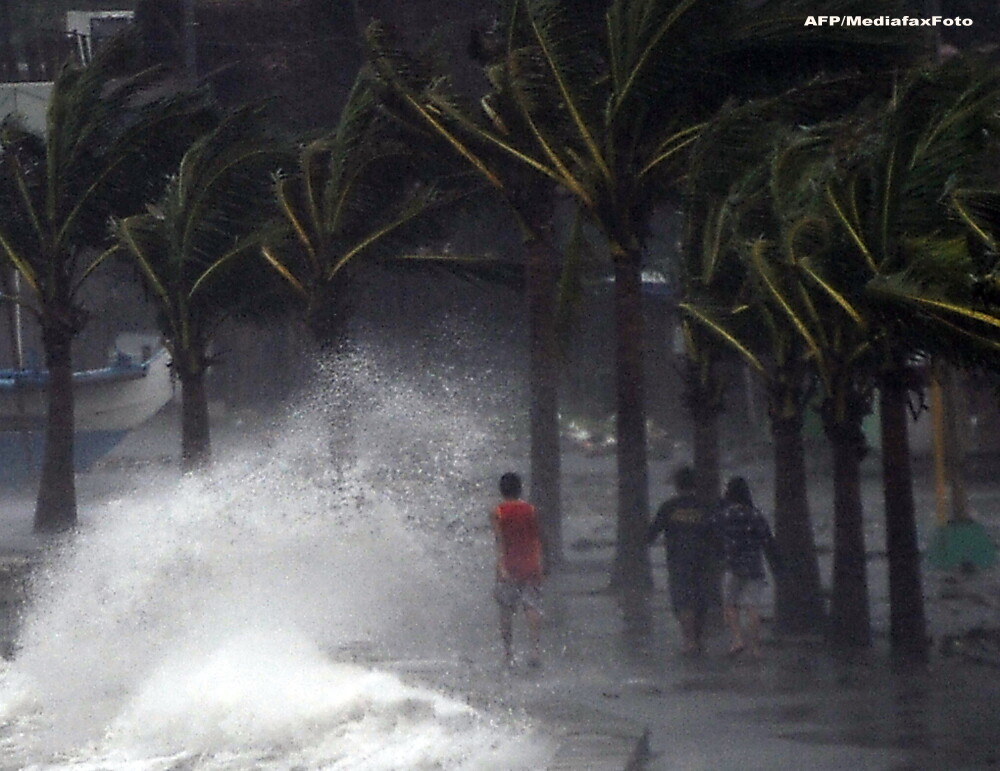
[631,573]
[542,288]
[330,311]
[850,614]
[907,621]
[55,508]
[196,446]
[798,591]
[705,406]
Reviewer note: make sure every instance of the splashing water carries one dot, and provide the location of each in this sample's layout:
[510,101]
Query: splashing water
[233,621]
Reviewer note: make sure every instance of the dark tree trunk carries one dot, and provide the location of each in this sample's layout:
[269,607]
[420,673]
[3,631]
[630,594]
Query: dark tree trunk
[329,313]
[798,591]
[196,446]
[850,613]
[632,575]
[55,509]
[705,406]
[907,621]
[542,289]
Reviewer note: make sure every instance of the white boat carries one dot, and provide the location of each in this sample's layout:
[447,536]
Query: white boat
[108,403]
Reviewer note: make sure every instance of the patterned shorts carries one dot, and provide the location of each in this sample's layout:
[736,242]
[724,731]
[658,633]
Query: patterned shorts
[741,591]
[517,594]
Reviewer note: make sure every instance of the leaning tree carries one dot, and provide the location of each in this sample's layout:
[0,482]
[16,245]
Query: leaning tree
[357,193]
[889,198]
[748,205]
[606,112]
[197,250]
[111,136]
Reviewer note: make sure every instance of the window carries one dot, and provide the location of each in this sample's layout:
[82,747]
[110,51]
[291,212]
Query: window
[91,28]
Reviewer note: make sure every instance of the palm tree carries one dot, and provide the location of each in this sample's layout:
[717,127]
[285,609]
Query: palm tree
[109,141]
[606,113]
[801,289]
[931,134]
[359,194]
[415,93]
[739,179]
[804,284]
[545,113]
[197,250]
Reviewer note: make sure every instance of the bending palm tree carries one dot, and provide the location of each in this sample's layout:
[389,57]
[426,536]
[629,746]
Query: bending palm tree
[197,250]
[748,205]
[607,113]
[930,135]
[358,194]
[107,147]
[589,129]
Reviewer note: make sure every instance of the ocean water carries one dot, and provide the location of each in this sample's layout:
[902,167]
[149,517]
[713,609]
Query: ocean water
[262,616]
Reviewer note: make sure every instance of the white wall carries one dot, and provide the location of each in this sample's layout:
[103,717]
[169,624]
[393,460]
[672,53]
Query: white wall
[29,100]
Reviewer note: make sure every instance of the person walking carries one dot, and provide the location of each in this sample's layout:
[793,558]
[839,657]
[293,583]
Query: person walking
[687,535]
[518,567]
[746,540]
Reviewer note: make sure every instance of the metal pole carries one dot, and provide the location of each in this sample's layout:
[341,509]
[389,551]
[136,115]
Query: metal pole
[939,445]
[18,323]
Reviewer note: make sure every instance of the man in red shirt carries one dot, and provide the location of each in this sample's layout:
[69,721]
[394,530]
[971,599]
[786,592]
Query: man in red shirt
[519,566]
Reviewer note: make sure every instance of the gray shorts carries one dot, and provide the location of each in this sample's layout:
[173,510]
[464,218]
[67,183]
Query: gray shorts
[512,595]
[743,591]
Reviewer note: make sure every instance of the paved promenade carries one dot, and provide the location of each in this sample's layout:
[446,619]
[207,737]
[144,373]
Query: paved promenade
[617,703]
[801,707]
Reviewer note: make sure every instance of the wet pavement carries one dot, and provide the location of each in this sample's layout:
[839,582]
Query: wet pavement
[620,703]
[798,707]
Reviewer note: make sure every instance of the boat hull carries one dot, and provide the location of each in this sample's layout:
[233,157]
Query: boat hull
[21,452]
[108,403]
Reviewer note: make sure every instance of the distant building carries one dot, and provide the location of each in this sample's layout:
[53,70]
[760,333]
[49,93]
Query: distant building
[27,100]
[29,58]
[34,42]
[89,29]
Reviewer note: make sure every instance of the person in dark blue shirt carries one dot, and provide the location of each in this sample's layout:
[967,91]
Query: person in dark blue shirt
[687,533]
[746,540]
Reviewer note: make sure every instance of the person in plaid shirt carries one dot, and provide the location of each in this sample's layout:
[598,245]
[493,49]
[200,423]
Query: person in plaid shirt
[746,540]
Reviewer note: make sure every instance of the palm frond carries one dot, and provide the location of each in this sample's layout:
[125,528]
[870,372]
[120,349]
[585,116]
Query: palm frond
[723,331]
[567,65]
[979,210]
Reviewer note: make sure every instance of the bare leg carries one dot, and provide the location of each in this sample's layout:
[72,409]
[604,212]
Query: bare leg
[753,629]
[534,619]
[507,633]
[732,616]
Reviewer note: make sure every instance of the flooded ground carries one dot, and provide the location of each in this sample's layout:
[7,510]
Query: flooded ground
[607,698]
